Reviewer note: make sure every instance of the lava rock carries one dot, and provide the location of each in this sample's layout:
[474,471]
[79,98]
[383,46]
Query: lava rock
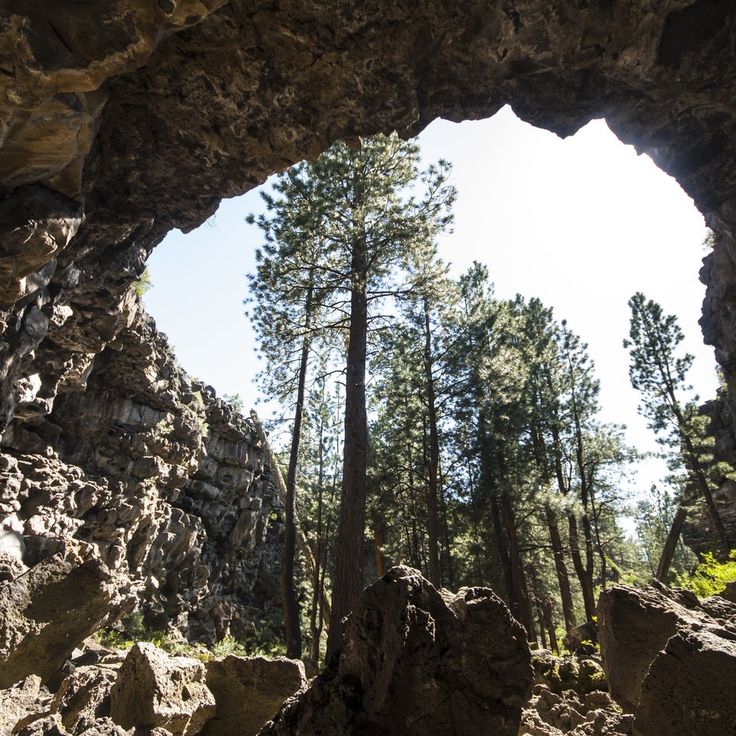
[153,689]
[413,664]
[249,691]
[690,688]
[47,612]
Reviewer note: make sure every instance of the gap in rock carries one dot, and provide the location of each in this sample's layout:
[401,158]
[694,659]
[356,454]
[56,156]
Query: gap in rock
[582,223]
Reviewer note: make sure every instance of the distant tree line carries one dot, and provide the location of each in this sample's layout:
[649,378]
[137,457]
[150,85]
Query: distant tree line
[434,424]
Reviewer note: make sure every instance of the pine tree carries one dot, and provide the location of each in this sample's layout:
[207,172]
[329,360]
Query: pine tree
[356,203]
[660,375]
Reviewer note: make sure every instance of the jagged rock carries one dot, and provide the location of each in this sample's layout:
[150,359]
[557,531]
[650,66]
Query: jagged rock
[690,687]
[634,624]
[666,649]
[153,689]
[581,638]
[19,700]
[565,714]
[412,664]
[84,696]
[591,676]
[729,592]
[176,498]
[249,691]
[44,726]
[45,613]
[581,674]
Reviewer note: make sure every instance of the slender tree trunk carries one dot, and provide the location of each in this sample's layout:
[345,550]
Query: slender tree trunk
[598,543]
[563,578]
[315,624]
[504,556]
[288,582]
[348,581]
[549,623]
[448,567]
[518,576]
[692,462]
[586,582]
[668,551]
[540,620]
[415,553]
[433,541]
[378,542]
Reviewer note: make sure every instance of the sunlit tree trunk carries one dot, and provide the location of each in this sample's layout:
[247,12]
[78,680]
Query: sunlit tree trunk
[348,580]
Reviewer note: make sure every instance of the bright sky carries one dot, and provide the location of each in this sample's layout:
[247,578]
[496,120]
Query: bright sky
[581,223]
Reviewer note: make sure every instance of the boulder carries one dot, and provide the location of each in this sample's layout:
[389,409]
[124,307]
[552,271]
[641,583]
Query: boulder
[45,726]
[249,691]
[155,689]
[19,701]
[636,623]
[84,696]
[47,612]
[412,663]
[690,688]
[670,659]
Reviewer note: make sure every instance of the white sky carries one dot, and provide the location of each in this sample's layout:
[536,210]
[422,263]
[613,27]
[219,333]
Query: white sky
[581,223]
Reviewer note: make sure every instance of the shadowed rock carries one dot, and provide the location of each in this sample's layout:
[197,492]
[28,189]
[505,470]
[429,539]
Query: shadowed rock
[690,688]
[413,664]
[47,612]
[248,691]
[670,659]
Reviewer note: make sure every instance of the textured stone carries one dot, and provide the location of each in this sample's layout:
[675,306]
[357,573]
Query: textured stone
[249,691]
[153,690]
[45,613]
[156,484]
[413,664]
[566,714]
[18,701]
[635,625]
[690,688]
[84,697]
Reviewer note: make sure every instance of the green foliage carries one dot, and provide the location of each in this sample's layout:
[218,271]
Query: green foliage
[235,401]
[132,628]
[710,576]
[143,284]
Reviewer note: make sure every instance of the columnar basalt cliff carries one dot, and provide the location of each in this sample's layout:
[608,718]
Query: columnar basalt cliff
[167,485]
[122,120]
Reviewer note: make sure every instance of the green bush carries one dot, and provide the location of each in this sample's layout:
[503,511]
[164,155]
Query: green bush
[710,576]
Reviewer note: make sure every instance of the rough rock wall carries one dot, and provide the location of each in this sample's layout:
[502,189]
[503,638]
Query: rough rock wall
[698,531]
[122,119]
[166,483]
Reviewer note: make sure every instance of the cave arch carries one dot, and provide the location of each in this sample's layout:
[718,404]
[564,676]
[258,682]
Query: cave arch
[128,120]
[124,119]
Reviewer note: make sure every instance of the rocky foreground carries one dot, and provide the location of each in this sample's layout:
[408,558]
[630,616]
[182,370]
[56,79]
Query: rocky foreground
[415,661]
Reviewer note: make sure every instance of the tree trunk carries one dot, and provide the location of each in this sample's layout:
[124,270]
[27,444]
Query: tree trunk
[449,577]
[378,542]
[549,623]
[315,623]
[518,576]
[668,551]
[586,582]
[288,582]
[433,541]
[280,485]
[348,580]
[563,578]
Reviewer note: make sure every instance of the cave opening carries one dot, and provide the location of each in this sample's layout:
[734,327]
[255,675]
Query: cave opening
[581,222]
